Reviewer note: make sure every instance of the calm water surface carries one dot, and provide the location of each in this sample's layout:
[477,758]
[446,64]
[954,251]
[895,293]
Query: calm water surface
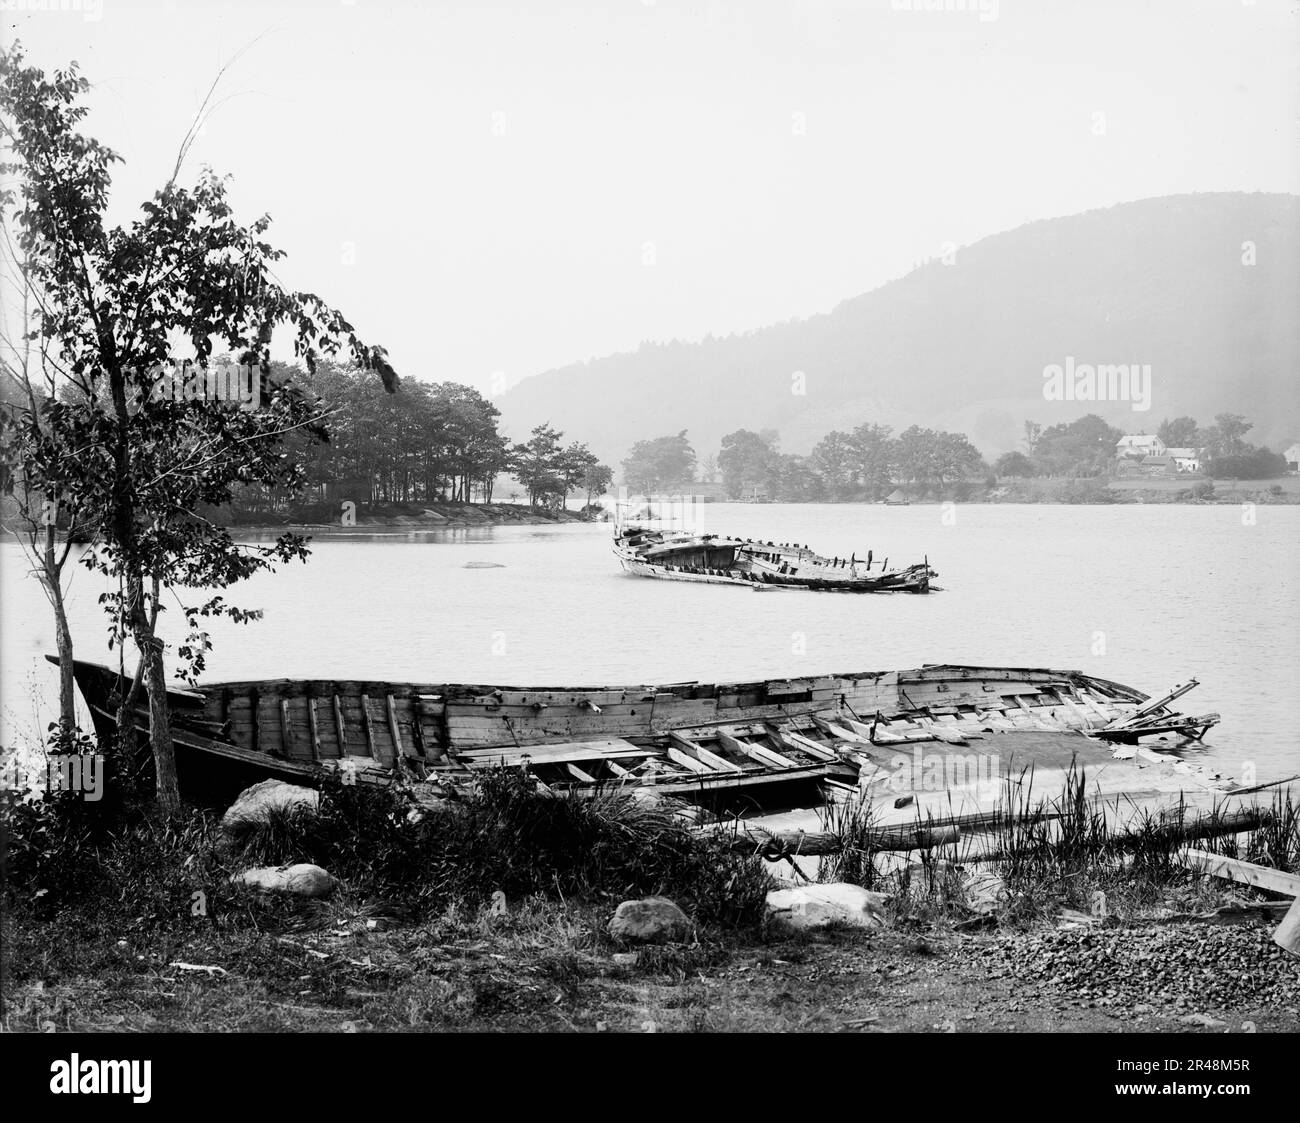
[1144,595]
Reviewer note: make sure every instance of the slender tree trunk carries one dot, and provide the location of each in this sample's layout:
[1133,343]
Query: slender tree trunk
[137,620]
[50,577]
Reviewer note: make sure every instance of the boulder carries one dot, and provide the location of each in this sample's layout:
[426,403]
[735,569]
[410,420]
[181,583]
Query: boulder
[651,920]
[817,906]
[255,803]
[300,880]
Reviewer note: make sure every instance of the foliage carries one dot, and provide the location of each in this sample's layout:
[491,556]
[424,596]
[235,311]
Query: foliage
[136,319]
[664,464]
[506,835]
[1013,464]
[1083,447]
[1253,464]
[1180,432]
[549,470]
[746,461]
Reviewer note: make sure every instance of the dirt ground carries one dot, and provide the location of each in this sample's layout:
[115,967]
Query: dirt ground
[549,973]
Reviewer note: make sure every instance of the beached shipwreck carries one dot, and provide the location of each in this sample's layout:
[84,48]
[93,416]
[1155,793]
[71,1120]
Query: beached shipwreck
[745,746]
[646,551]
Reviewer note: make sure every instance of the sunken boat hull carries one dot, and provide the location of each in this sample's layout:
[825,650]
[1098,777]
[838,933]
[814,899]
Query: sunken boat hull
[716,560]
[723,743]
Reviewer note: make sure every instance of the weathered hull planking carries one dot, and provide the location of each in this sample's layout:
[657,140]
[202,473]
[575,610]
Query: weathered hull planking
[686,739]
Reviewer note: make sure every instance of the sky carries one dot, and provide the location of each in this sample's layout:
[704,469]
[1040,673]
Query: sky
[494,190]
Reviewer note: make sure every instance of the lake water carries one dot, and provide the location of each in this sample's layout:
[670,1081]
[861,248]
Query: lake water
[1145,595]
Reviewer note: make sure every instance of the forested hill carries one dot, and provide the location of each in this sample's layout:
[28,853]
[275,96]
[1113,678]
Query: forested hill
[963,345]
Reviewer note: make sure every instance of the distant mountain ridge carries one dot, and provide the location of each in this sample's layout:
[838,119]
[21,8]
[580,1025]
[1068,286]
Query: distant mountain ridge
[1164,282]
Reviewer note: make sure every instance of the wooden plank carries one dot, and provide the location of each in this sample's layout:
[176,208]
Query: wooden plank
[578,774]
[339,728]
[1287,934]
[798,741]
[367,727]
[679,756]
[709,759]
[718,763]
[757,752]
[394,732]
[315,731]
[288,739]
[560,752]
[1244,873]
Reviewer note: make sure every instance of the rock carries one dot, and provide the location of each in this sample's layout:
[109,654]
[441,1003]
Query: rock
[984,891]
[301,880]
[651,920]
[256,803]
[816,906]
[1202,1020]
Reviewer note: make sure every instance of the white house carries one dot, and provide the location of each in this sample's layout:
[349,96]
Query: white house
[1292,457]
[1185,459]
[1139,445]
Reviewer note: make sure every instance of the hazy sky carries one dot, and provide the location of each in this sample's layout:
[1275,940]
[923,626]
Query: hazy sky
[489,188]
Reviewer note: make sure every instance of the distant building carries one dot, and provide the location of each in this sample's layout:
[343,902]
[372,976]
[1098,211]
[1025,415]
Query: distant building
[1137,446]
[1159,466]
[1185,459]
[1292,457]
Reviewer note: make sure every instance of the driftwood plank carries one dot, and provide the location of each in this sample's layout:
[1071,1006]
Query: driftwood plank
[1287,934]
[1244,873]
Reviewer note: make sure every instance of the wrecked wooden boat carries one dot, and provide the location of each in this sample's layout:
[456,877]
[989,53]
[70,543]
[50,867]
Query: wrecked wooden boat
[714,559]
[734,743]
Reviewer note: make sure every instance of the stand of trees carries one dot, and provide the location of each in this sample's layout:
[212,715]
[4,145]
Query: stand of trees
[1227,455]
[432,443]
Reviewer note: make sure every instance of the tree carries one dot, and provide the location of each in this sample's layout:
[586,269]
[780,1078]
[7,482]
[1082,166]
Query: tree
[875,454]
[110,305]
[596,480]
[1033,431]
[662,464]
[1083,447]
[835,459]
[34,472]
[1013,464]
[575,462]
[1181,432]
[1227,436]
[745,461]
[537,463]
[793,479]
[1253,464]
[934,458]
